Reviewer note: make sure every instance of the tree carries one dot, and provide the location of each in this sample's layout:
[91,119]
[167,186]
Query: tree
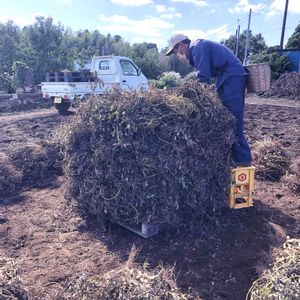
[146,56]
[279,63]
[9,46]
[294,40]
[67,50]
[45,40]
[256,44]
[22,75]
[6,82]
[173,63]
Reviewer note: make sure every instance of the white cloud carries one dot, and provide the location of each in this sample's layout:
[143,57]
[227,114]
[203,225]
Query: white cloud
[293,7]
[167,12]
[200,3]
[219,33]
[165,9]
[17,20]
[132,2]
[269,9]
[150,25]
[149,29]
[24,21]
[244,6]
[215,34]
[270,14]
[193,34]
[171,16]
[20,21]
[161,8]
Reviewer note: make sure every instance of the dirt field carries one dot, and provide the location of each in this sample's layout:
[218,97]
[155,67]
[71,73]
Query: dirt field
[52,246]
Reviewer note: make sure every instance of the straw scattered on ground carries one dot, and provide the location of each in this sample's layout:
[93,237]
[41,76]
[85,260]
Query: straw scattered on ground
[11,284]
[35,161]
[292,178]
[282,281]
[129,281]
[24,102]
[270,159]
[286,86]
[10,176]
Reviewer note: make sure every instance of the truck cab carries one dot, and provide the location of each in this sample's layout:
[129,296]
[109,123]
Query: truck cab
[119,70]
[63,88]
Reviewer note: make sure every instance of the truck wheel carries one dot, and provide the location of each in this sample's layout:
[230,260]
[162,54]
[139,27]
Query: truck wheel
[62,107]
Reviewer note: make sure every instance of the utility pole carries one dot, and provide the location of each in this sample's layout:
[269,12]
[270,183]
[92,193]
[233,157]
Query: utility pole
[283,24]
[247,39]
[237,39]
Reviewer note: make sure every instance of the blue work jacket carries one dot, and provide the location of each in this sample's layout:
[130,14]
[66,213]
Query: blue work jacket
[212,59]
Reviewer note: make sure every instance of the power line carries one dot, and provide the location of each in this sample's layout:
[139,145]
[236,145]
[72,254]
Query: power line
[242,20]
[230,26]
[276,29]
[259,9]
[257,12]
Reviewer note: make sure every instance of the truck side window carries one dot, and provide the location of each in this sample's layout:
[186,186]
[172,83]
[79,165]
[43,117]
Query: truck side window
[104,65]
[128,69]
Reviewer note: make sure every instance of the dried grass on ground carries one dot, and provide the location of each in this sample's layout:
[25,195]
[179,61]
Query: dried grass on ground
[24,102]
[270,159]
[35,161]
[286,86]
[10,177]
[11,284]
[282,281]
[129,281]
[150,156]
[292,178]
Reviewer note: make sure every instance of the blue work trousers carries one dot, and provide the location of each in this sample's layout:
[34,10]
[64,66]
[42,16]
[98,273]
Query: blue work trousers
[232,94]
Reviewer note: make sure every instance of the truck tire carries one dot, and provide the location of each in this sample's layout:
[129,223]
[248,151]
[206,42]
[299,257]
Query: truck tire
[62,107]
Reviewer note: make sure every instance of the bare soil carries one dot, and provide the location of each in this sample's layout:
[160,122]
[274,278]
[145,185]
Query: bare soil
[52,245]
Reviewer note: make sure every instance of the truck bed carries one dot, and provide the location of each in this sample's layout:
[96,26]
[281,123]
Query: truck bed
[73,89]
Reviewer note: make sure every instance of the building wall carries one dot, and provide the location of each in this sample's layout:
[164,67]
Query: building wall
[294,58]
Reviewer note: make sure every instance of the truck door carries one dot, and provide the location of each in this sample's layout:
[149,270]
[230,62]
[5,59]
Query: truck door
[131,77]
[106,70]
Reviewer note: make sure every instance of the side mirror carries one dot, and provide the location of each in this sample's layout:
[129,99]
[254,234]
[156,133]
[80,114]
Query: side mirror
[139,72]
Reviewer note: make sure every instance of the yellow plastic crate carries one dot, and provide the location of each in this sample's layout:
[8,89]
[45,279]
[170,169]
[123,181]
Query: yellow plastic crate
[241,188]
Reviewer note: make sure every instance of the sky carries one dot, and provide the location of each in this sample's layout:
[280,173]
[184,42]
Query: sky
[155,21]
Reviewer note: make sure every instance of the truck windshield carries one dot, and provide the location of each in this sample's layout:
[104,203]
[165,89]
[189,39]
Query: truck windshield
[128,69]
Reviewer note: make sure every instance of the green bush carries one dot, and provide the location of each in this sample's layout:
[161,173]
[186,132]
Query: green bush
[166,80]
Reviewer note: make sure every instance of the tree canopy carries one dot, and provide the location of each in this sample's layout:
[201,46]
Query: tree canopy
[44,46]
[294,40]
[256,44]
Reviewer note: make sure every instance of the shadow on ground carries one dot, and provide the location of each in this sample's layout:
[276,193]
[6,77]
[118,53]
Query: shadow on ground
[217,261]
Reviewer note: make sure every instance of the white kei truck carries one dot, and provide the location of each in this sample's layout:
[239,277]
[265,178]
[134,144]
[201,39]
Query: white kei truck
[65,88]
